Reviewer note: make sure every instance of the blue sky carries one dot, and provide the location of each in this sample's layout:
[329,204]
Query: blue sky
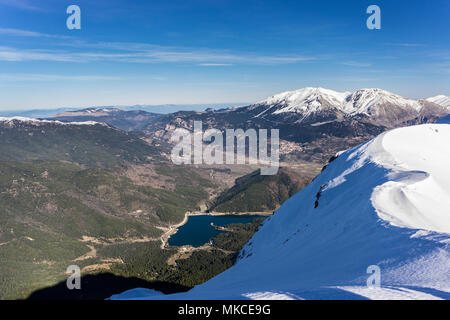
[212,51]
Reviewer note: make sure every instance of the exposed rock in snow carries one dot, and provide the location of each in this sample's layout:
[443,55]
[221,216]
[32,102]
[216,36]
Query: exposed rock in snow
[383,203]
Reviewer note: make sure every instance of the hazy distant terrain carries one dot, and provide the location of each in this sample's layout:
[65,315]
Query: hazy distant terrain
[160,109]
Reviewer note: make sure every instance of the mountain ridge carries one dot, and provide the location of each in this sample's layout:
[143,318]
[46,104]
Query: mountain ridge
[373,103]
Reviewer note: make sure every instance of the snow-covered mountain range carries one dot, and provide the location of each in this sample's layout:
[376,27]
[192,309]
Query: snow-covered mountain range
[315,99]
[309,105]
[385,203]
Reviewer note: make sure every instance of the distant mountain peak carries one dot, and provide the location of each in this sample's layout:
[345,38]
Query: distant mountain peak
[362,101]
[92,111]
[305,100]
[39,122]
[440,100]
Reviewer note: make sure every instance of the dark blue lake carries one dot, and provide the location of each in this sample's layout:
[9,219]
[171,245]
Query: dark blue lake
[198,230]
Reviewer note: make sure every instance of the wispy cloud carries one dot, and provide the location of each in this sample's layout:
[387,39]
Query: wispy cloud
[356,64]
[26,33]
[16,55]
[85,51]
[53,77]
[20,4]
[145,54]
[215,64]
[403,44]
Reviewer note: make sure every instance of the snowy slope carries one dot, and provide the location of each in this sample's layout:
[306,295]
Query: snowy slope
[385,203]
[440,100]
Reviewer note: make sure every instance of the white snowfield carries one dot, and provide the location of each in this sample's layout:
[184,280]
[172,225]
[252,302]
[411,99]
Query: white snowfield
[384,203]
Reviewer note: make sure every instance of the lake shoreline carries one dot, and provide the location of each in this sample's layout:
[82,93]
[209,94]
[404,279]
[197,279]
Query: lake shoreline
[171,230]
[259,213]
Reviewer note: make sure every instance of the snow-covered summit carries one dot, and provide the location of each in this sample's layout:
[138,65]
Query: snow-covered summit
[440,100]
[306,100]
[364,100]
[383,203]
